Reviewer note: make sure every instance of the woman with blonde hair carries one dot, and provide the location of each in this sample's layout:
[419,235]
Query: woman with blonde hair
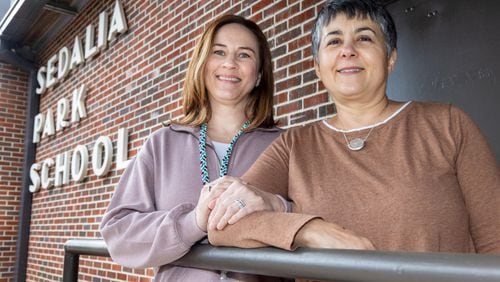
[162,202]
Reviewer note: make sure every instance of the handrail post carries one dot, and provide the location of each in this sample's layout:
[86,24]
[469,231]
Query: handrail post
[71,264]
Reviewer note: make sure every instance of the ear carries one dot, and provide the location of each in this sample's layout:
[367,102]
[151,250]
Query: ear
[258,80]
[316,68]
[392,60]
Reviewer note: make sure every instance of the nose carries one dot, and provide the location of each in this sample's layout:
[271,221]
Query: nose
[229,62]
[348,49]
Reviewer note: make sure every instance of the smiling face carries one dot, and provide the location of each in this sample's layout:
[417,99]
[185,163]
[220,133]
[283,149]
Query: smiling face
[232,67]
[352,59]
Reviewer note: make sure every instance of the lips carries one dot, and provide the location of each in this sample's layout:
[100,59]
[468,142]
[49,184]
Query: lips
[350,70]
[228,78]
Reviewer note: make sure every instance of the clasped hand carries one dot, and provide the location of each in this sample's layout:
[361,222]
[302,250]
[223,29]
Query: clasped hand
[229,199]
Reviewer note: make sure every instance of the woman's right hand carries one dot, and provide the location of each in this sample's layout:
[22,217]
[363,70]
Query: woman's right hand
[318,233]
[208,196]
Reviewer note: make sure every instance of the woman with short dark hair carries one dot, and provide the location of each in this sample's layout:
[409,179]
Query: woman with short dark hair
[379,174]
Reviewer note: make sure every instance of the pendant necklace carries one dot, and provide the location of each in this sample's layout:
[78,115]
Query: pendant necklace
[224,163]
[357,143]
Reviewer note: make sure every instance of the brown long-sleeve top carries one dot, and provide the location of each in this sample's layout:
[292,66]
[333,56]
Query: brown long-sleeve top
[426,180]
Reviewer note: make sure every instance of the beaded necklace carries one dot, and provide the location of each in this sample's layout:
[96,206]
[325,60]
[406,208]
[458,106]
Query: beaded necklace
[224,163]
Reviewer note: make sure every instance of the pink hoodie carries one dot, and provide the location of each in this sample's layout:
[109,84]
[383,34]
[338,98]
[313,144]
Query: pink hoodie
[150,220]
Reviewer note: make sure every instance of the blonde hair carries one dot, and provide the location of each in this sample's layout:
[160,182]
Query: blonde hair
[196,105]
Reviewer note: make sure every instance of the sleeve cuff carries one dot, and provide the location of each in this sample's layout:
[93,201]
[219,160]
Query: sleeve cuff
[286,204]
[293,222]
[188,229]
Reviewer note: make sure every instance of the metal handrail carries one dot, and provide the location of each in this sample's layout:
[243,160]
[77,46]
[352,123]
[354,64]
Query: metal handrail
[345,265]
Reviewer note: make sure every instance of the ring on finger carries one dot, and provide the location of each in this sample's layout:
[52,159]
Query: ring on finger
[209,187]
[241,204]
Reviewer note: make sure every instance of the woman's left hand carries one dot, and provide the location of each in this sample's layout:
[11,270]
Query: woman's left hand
[239,200]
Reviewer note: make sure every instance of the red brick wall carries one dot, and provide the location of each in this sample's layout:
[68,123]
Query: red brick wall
[136,83]
[13,90]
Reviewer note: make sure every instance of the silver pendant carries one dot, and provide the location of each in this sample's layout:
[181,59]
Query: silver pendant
[356,144]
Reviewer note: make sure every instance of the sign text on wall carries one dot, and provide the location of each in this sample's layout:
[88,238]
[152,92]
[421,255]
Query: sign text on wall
[58,67]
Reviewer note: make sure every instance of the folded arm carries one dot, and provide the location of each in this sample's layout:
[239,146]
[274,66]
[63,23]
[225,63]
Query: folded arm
[283,230]
[139,235]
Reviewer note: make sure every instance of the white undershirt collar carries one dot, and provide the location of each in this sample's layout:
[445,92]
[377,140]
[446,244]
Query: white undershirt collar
[368,126]
[220,149]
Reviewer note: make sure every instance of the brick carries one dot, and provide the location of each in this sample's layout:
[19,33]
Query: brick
[317,99]
[326,110]
[288,83]
[289,108]
[12,120]
[290,58]
[300,67]
[302,91]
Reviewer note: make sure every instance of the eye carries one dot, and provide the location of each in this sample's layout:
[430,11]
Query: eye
[334,41]
[244,55]
[365,38]
[219,52]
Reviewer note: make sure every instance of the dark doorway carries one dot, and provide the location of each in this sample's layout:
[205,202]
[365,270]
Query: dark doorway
[449,51]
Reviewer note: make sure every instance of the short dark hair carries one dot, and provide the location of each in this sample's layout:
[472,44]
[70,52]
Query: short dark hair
[354,8]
